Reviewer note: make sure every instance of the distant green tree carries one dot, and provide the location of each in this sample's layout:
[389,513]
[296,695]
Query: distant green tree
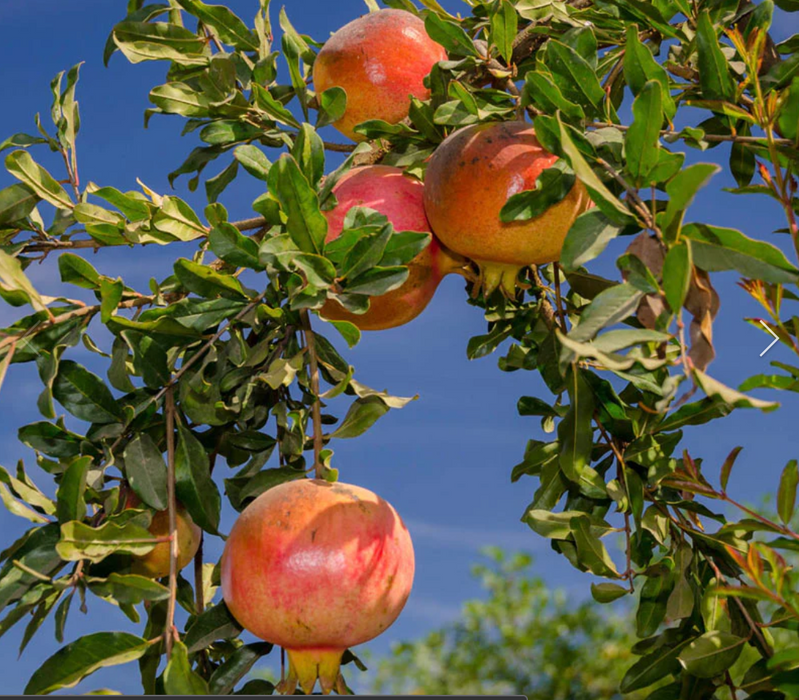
[523,638]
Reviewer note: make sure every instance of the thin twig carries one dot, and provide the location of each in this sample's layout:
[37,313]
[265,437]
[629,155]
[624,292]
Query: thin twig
[632,195]
[710,138]
[559,298]
[316,409]
[173,523]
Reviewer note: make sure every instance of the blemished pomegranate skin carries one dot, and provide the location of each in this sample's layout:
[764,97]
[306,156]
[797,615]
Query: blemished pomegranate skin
[470,178]
[380,60]
[317,567]
[401,199]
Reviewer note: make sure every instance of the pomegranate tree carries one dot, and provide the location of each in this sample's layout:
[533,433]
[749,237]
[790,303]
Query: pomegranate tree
[400,198]
[317,567]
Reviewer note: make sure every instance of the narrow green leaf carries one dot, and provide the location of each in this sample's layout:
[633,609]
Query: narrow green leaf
[677,275]
[451,36]
[714,73]
[504,27]
[80,541]
[71,495]
[194,487]
[711,654]
[179,679]
[16,202]
[70,665]
[786,495]
[24,168]
[228,27]
[146,471]
[642,141]
[84,394]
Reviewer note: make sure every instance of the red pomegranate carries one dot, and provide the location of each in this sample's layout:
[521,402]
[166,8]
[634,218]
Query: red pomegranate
[380,60]
[316,568]
[401,199]
[470,178]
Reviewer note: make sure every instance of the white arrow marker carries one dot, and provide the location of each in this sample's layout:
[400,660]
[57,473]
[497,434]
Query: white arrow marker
[776,337]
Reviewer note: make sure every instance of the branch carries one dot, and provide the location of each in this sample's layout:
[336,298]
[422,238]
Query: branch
[711,138]
[316,409]
[174,545]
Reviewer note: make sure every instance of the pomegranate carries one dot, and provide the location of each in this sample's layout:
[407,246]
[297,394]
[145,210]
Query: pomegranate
[155,563]
[470,178]
[316,568]
[379,60]
[400,198]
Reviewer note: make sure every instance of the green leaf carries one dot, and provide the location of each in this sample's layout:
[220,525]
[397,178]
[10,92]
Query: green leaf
[70,665]
[788,118]
[575,430]
[84,394]
[75,270]
[13,278]
[652,667]
[214,186]
[601,195]
[236,667]
[541,91]
[574,76]
[682,189]
[714,73]
[591,553]
[159,41]
[642,141]
[80,541]
[504,26]
[179,679]
[552,186]
[677,275]
[716,249]
[214,623]
[253,161]
[587,238]
[194,487]
[228,27]
[206,282]
[16,202]
[24,168]
[50,439]
[640,67]
[332,105]
[177,219]
[146,471]
[111,294]
[128,589]
[378,280]
[305,222]
[71,495]
[711,654]
[362,415]
[180,98]
[786,495]
[451,36]
[227,242]
[607,592]
[309,152]
[609,307]
[735,399]
[274,108]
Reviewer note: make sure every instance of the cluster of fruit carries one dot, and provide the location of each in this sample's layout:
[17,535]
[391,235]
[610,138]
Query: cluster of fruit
[318,567]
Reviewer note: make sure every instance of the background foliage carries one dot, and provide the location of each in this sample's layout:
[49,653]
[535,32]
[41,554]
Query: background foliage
[220,357]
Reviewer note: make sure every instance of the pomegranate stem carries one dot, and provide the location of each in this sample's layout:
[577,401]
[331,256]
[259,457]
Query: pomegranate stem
[316,408]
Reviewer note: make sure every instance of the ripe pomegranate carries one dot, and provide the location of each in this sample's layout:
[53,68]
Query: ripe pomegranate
[470,178]
[316,568]
[379,60]
[155,563]
[400,198]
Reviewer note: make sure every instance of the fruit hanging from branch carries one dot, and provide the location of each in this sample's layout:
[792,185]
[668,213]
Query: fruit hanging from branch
[155,563]
[379,60]
[471,177]
[400,198]
[317,567]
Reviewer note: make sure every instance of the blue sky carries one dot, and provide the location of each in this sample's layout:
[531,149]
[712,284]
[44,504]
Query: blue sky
[445,460]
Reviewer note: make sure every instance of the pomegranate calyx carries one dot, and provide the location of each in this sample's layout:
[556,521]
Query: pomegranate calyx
[308,665]
[502,276]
